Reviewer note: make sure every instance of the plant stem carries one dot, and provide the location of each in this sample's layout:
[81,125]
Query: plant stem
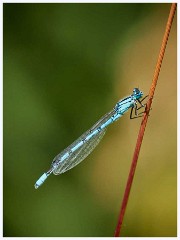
[144,120]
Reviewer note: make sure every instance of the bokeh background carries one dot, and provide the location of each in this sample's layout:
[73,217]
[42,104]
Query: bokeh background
[66,65]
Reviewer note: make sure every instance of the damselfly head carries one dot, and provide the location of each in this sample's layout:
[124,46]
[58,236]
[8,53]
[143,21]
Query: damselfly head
[137,93]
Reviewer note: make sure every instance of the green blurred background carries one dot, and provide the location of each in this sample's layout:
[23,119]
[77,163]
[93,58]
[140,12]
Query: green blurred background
[66,65]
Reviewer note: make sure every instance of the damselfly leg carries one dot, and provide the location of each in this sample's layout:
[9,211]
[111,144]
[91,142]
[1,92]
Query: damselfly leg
[136,108]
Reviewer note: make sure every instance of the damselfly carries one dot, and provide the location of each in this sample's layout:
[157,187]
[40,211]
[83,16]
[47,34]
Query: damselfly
[85,144]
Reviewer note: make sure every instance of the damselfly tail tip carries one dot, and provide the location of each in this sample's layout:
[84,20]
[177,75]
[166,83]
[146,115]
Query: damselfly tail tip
[40,181]
[36,186]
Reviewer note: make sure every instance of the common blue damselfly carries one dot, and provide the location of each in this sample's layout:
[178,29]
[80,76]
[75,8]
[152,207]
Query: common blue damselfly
[85,144]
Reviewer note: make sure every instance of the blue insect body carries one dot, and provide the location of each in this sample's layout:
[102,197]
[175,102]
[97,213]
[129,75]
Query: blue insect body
[84,145]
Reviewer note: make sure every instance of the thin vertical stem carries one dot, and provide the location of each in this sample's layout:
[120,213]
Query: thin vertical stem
[144,120]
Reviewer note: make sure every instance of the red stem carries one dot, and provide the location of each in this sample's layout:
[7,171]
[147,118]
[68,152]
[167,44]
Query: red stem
[144,121]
